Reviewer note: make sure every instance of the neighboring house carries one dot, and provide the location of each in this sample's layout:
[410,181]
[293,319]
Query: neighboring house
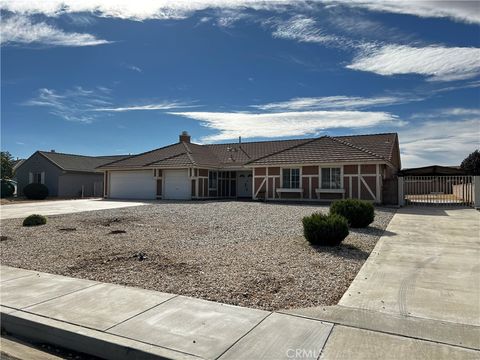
[16,164]
[65,175]
[433,170]
[324,168]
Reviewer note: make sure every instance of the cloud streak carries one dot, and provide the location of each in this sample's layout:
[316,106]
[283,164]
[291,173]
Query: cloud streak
[138,10]
[254,125]
[86,105]
[302,29]
[437,63]
[20,29]
[463,11]
[334,102]
[166,9]
[133,68]
[160,106]
[74,105]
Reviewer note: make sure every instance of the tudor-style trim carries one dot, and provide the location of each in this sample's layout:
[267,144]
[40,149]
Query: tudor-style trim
[326,164]
[367,187]
[378,184]
[260,187]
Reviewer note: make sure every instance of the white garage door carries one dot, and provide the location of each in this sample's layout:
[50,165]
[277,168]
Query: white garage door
[177,184]
[132,185]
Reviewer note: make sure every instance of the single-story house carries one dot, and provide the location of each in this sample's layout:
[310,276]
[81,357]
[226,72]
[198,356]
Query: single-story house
[317,169]
[433,170]
[65,175]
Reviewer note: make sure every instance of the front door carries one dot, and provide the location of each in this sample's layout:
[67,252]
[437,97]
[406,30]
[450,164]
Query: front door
[244,184]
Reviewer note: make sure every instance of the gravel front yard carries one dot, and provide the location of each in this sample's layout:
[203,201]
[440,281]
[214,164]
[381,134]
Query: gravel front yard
[242,253]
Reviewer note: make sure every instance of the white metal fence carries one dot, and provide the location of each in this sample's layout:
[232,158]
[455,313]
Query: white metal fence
[438,190]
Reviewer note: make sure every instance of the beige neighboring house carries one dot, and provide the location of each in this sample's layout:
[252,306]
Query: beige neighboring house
[318,169]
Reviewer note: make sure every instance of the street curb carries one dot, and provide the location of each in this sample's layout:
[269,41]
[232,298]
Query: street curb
[39,329]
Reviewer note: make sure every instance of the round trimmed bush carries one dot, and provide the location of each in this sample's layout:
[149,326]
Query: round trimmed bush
[325,230]
[7,189]
[34,220]
[35,191]
[359,213]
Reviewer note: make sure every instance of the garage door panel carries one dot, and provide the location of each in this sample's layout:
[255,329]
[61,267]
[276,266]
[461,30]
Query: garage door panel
[132,185]
[177,185]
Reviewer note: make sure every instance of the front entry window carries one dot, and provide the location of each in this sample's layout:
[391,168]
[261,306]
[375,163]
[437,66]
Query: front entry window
[291,178]
[331,178]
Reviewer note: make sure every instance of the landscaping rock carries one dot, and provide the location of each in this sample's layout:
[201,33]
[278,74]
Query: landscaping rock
[117,232]
[243,253]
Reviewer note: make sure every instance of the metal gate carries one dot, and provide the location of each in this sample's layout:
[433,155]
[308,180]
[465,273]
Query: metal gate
[438,190]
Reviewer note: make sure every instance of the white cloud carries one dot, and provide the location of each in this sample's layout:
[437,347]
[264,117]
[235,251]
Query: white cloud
[133,68]
[438,142]
[461,112]
[333,102]
[72,105]
[436,62]
[19,29]
[303,29]
[448,114]
[85,105]
[251,125]
[135,10]
[160,106]
[464,11]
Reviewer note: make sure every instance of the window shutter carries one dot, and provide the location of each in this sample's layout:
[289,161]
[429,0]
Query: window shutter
[30,177]
[42,178]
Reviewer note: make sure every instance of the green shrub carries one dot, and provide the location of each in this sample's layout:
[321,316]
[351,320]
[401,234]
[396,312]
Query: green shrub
[7,189]
[35,191]
[359,213]
[325,230]
[34,220]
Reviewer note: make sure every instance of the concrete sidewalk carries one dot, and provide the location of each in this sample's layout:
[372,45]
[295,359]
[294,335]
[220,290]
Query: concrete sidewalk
[57,207]
[117,322]
[113,321]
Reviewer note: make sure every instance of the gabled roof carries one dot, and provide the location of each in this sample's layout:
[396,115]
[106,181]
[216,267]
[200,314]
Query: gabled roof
[326,149]
[78,163]
[380,144]
[176,155]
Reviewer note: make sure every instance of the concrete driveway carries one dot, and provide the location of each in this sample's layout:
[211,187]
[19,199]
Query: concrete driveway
[57,207]
[426,265]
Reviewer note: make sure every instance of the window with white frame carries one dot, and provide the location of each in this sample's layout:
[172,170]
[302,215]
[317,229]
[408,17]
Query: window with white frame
[291,178]
[331,178]
[212,180]
[37,178]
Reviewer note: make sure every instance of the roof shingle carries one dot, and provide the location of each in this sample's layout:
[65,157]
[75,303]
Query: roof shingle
[326,149]
[81,163]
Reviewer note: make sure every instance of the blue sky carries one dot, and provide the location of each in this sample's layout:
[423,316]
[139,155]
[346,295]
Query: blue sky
[115,77]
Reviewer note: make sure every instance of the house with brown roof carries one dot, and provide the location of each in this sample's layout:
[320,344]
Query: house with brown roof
[318,169]
[65,175]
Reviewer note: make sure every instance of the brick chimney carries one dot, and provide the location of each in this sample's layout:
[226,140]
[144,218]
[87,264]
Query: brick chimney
[184,137]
